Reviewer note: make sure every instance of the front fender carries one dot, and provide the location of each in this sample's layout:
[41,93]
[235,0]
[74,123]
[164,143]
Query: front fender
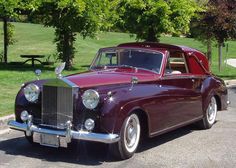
[22,104]
[125,101]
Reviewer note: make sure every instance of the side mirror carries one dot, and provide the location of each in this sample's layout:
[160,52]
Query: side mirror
[134,80]
[38,72]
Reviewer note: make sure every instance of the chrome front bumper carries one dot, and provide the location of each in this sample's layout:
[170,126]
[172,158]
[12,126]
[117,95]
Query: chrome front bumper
[68,134]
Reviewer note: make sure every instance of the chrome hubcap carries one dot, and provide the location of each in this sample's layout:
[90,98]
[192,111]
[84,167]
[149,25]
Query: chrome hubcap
[132,133]
[211,111]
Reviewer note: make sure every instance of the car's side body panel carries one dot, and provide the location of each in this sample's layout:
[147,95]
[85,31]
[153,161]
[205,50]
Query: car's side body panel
[165,104]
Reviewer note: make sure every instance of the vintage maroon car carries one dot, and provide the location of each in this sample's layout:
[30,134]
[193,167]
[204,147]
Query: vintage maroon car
[132,90]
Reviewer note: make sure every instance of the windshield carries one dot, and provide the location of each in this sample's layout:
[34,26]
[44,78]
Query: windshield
[128,58]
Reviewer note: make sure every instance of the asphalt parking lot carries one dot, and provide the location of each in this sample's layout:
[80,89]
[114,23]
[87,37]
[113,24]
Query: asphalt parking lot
[185,147]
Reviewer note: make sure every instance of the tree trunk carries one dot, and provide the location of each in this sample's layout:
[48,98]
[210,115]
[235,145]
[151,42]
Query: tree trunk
[151,37]
[5,40]
[220,45]
[209,50]
[65,46]
[68,49]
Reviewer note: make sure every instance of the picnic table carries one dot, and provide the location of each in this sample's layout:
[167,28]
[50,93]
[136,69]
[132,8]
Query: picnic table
[32,58]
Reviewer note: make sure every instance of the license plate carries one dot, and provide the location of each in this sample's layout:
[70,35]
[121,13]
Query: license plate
[50,140]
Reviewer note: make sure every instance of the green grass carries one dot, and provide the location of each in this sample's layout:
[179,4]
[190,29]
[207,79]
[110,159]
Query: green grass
[36,39]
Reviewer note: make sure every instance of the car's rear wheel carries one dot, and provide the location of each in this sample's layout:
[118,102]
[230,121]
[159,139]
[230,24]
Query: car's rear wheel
[129,138]
[210,114]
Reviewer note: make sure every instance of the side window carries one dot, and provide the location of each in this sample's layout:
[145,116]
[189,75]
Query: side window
[176,64]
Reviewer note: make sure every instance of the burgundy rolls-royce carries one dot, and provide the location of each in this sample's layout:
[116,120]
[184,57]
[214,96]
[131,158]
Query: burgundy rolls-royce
[132,90]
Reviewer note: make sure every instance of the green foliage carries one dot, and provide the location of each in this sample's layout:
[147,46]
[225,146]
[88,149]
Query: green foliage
[223,19]
[216,23]
[69,17]
[181,13]
[148,19]
[7,8]
[65,45]
[10,34]
[1,56]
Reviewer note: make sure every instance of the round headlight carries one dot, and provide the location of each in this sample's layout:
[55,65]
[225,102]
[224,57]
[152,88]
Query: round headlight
[31,92]
[90,99]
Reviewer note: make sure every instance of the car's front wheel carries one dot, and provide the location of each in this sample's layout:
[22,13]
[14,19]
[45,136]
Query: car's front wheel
[129,138]
[210,114]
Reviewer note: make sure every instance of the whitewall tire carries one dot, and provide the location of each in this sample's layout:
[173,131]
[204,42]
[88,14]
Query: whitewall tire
[129,138]
[210,114]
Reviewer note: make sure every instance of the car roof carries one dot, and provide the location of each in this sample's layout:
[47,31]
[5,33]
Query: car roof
[161,50]
[158,46]
[172,48]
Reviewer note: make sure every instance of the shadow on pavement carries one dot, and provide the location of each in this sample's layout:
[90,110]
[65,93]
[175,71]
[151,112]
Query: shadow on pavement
[78,155]
[83,153]
[164,138]
[233,88]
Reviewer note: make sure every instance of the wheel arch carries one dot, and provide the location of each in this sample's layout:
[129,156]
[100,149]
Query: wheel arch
[143,117]
[208,98]
[144,121]
[218,102]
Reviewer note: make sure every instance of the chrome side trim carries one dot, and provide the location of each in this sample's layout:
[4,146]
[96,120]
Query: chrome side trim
[29,128]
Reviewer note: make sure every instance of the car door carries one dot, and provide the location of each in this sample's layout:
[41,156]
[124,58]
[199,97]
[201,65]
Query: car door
[181,103]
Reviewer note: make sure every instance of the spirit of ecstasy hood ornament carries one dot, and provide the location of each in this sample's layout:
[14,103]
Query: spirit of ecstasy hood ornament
[59,69]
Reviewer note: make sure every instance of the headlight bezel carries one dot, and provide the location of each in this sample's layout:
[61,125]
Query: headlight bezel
[90,99]
[31,92]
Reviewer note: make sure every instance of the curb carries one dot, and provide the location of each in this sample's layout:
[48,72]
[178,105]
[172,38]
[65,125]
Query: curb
[230,83]
[4,120]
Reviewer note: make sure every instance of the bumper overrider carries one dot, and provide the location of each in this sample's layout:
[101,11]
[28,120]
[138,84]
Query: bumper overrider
[68,133]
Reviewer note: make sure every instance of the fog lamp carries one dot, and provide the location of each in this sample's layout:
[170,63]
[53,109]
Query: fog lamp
[89,124]
[24,115]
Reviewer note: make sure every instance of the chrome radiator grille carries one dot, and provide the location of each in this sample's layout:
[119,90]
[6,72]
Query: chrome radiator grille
[57,106]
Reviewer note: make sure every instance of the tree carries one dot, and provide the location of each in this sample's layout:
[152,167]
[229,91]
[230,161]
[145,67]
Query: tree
[69,17]
[223,14]
[148,19]
[217,22]
[7,10]
[201,29]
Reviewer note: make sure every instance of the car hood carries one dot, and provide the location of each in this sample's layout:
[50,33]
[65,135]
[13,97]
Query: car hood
[111,76]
